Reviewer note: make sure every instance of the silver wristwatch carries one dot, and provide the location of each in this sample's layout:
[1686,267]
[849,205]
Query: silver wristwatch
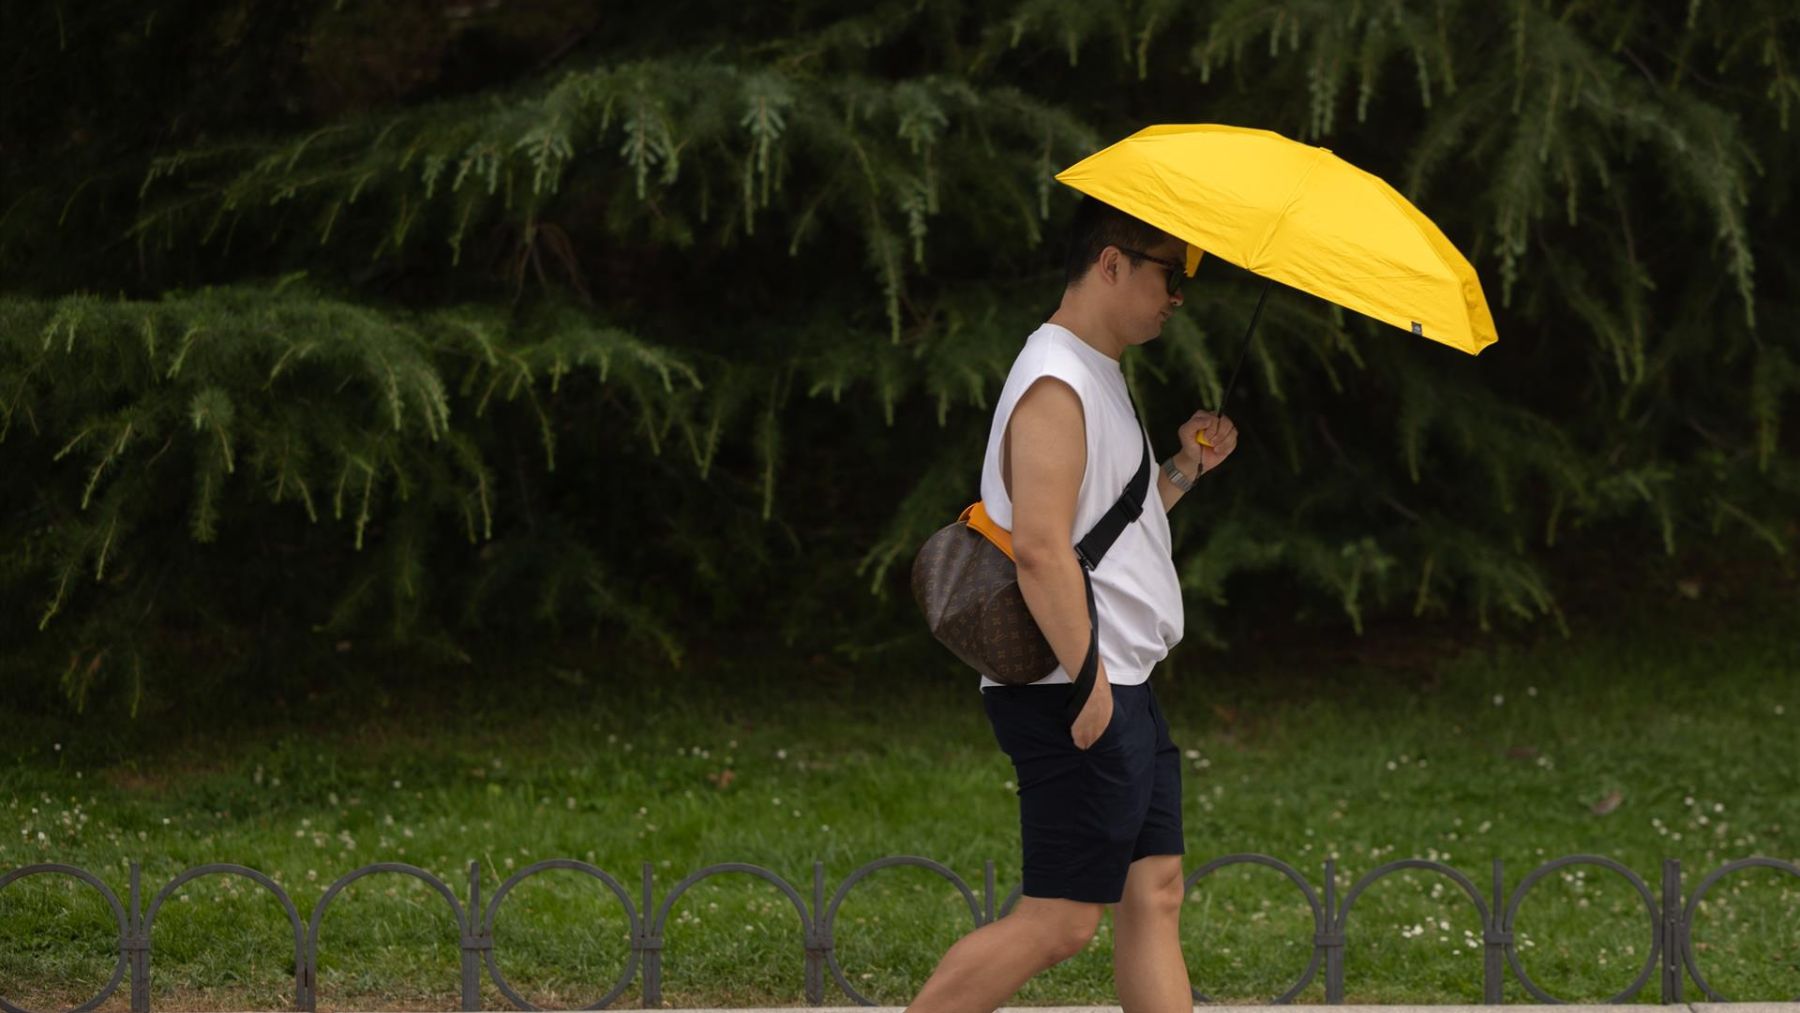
[1176,478]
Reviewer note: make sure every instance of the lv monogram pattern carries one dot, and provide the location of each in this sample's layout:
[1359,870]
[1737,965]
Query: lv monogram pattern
[969,592]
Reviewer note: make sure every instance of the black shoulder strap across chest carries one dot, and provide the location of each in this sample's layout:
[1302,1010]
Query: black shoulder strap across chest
[1093,547]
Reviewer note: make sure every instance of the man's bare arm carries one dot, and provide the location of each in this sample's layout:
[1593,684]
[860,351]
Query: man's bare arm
[1046,454]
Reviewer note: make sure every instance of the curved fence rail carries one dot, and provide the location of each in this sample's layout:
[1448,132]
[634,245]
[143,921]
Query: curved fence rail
[1670,920]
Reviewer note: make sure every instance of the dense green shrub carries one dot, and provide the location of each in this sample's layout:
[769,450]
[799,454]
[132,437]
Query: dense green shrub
[683,328]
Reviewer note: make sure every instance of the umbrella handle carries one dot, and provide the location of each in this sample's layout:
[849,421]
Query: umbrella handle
[1243,353]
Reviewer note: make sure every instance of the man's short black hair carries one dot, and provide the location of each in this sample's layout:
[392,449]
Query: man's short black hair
[1098,225]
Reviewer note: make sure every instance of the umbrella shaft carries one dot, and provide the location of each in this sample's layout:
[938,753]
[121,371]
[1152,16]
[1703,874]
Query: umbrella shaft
[1244,351]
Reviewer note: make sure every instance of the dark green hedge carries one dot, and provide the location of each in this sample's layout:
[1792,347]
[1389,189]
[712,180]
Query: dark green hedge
[680,332]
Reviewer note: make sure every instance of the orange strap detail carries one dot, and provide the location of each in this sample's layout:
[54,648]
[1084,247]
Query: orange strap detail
[976,516]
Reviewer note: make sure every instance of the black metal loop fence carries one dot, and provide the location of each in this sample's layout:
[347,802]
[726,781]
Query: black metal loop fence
[1670,918]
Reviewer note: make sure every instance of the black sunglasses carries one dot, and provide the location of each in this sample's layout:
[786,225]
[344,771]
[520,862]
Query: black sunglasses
[1177,272]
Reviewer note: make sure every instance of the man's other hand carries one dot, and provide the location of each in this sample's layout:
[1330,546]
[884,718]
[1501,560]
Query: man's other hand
[1219,431]
[1095,715]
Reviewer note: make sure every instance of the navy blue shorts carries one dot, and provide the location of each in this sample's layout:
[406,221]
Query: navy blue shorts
[1086,815]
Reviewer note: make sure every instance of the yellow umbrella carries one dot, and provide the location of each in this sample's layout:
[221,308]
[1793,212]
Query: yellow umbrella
[1296,214]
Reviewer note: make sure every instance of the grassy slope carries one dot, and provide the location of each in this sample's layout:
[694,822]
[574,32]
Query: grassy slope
[1665,735]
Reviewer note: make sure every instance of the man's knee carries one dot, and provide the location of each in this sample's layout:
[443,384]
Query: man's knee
[1157,890]
[1075,932]
[1066,928]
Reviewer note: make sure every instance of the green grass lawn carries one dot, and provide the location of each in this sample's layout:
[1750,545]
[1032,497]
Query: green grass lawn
[1638,740]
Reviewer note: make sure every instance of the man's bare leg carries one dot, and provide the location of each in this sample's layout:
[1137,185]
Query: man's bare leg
[1149,972]
[986,967]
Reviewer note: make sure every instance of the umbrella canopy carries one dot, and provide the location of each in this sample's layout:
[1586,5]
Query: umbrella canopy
[1297,214]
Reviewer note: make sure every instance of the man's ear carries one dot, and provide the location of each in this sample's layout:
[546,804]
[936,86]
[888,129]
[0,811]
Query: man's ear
[1108,264]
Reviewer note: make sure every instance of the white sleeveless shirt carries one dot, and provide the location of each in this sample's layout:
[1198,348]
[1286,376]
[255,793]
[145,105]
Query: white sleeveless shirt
[1136,591]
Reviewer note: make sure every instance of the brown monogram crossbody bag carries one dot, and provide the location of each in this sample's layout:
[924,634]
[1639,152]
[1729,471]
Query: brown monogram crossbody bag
[967,584]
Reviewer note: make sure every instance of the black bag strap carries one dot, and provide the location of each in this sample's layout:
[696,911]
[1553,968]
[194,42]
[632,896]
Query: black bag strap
[1090,551]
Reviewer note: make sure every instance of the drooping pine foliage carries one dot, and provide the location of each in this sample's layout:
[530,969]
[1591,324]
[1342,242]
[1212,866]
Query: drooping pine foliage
[330,324]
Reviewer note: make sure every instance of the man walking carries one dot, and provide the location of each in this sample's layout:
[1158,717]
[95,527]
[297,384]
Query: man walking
[1099,801]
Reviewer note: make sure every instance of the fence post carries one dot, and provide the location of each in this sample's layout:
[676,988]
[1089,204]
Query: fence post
[136,945]
[309,978]
[1498,938]
[1671,930]
[987,887]
[649,943]
[473,942]
[818,942]
[1331,940]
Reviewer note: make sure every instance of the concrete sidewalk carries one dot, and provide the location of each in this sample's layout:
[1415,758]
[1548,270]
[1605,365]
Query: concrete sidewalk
[1691,1007]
